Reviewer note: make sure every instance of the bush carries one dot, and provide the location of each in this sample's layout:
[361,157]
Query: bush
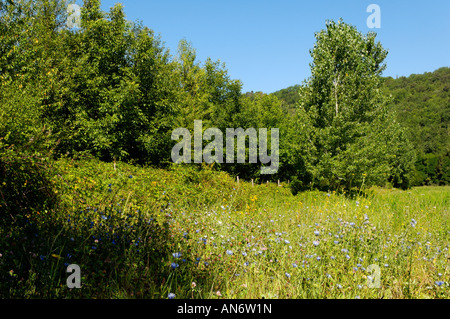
[25,185]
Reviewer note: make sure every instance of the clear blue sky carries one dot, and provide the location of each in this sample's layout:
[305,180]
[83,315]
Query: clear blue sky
[266,44]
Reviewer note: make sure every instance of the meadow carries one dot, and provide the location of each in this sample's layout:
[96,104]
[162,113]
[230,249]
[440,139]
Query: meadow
[185,232]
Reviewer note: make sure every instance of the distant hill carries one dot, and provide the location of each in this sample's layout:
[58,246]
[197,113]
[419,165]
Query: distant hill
[422,104]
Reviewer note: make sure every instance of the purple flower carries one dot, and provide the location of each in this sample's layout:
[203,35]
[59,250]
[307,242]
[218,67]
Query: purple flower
[171,295]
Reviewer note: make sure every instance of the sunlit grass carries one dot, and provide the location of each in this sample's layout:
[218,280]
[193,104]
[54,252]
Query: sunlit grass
[146,233]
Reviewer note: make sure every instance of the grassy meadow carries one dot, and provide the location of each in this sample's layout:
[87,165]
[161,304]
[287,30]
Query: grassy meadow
[188,233]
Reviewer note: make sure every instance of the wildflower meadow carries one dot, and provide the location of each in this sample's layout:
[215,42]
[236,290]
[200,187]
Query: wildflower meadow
[189,233]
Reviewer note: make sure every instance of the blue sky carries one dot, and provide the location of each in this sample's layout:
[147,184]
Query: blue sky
[266,44]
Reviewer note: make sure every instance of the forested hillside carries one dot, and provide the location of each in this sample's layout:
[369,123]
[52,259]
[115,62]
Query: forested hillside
[422,103]
[422,106]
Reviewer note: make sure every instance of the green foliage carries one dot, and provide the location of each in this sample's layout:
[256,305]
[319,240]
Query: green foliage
[353,137]
[25,184]
[422,104]
[82,109]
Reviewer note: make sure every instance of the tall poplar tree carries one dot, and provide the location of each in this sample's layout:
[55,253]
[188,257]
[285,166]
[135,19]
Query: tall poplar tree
[353,138]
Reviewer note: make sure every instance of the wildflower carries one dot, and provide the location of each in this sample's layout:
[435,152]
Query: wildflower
[339,286]
[316,243]
[193,285]
[347,256]
[218,293]
[176,255]
[318,258]
[244,254]
[229,252]
[294,265]
[332,257]
[171,295]
[288,275]
[286,241]
[439,283]
[174,265]
[317,233]
[131,176]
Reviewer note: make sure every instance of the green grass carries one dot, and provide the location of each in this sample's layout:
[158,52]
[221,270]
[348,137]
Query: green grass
[123,226]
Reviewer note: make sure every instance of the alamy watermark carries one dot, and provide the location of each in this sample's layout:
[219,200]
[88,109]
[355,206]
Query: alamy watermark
[74,280]
[73,16]
[374,279]
[374,20]
[256,143]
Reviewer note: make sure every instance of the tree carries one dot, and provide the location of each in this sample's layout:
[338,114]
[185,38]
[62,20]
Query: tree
[347,111]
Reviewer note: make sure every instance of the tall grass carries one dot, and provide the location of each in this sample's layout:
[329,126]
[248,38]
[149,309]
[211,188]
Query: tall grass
[144,233]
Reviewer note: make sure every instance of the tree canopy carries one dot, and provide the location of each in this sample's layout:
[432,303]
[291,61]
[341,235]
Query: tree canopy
[112,90]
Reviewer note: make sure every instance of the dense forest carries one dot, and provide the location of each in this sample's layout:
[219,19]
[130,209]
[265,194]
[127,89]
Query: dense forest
[111,90]
[422,105]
